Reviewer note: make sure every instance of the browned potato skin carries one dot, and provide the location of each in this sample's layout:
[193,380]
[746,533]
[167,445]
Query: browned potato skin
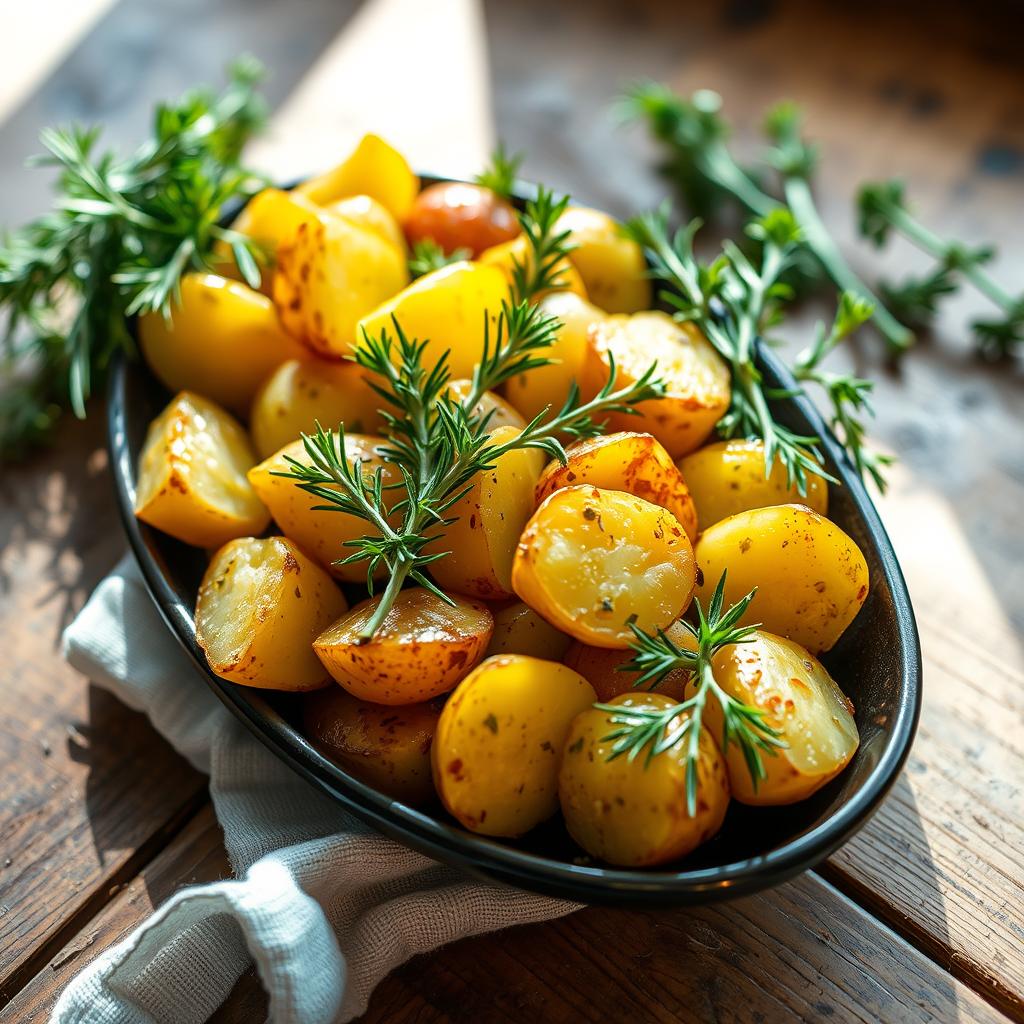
[386,747]
[518,629]
[634,813]
[600,666]
[625,461]
[457,215]
[727,477]
[421,650]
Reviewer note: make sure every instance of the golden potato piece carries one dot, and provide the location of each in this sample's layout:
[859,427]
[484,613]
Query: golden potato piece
[499,743]
[302,392]
[634,813]
[518,250]
[423,647]
[611,265]
[547,386]
[386,747]
[593,562]
[446,307]
[192,481]
[696,376]
[221,341]
[489,520]
[373,169]
[602,668]
[626,461]
[811,577]
[728,477]
[802,701]
[330,273]
[518,629]
[260,605]
[502,414]
[369,213]
[321,534]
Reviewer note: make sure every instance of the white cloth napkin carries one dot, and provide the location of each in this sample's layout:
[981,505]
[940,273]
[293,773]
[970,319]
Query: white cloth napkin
[323,905]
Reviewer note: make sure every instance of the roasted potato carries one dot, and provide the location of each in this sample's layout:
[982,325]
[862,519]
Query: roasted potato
[260,605]
[221,340]
[321,534]
[518,629]
[373,215]
[695,374]
[630,462]
[489,521]
[499,742]
[372,169]
[446,307]
[302,392]
[422,648]
[330,273]
[811,577]
[633,813]
[272,216]
[728,477]
[602,667]
[502,414]
[800,699]
[547,386]
[612,266]
[386,747]
[507,255]
[192,481]
[457,215]
[593,562]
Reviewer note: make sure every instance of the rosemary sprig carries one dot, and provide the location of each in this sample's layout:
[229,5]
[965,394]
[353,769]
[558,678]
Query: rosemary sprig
[544,267]
[427,256]
[501,173]
[120,235]
[655,730]
[882,207]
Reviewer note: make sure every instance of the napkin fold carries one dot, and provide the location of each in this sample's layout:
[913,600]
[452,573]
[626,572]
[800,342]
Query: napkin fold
[324,906]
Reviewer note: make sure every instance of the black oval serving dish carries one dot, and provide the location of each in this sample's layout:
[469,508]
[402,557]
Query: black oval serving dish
[877,662]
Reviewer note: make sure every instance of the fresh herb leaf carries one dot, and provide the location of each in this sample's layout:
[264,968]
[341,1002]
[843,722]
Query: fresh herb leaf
[501,173]
[428,256]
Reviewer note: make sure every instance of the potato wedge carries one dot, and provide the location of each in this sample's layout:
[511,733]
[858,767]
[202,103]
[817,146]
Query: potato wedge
[192,481]
[502,414]
[633,813]
[330,273]
[547,386]
[422,649]
[696,376]
[801,700]
[518,250]
[489,520]
[446,307]
[321,534]
[373,215]
[602,668]
[811,577]
[635,463]
[260,605]
[728,477]
[373,169]
[386,747]
[611,265]
[499,743]
[518,629]
[302,392]
[593,562]
[221,341]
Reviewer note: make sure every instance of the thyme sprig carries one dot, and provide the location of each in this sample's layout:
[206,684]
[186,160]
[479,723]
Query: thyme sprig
[121,233]
[883,210]
[652,731]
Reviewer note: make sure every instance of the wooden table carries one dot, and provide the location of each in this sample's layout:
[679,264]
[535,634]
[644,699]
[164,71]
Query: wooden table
[921,916]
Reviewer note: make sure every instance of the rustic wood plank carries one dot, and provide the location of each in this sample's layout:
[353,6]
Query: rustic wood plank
[88,790]
[196,855]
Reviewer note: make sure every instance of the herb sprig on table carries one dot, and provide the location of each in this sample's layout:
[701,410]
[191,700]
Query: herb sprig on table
[120,234]
[652,731]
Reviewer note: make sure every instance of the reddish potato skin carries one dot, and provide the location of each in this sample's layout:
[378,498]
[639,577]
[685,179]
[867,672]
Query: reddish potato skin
[457,215]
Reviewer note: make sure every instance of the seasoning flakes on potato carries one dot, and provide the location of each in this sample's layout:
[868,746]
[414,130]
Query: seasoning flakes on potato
[422,649]
[499,743]
[596,562]
[260,605]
